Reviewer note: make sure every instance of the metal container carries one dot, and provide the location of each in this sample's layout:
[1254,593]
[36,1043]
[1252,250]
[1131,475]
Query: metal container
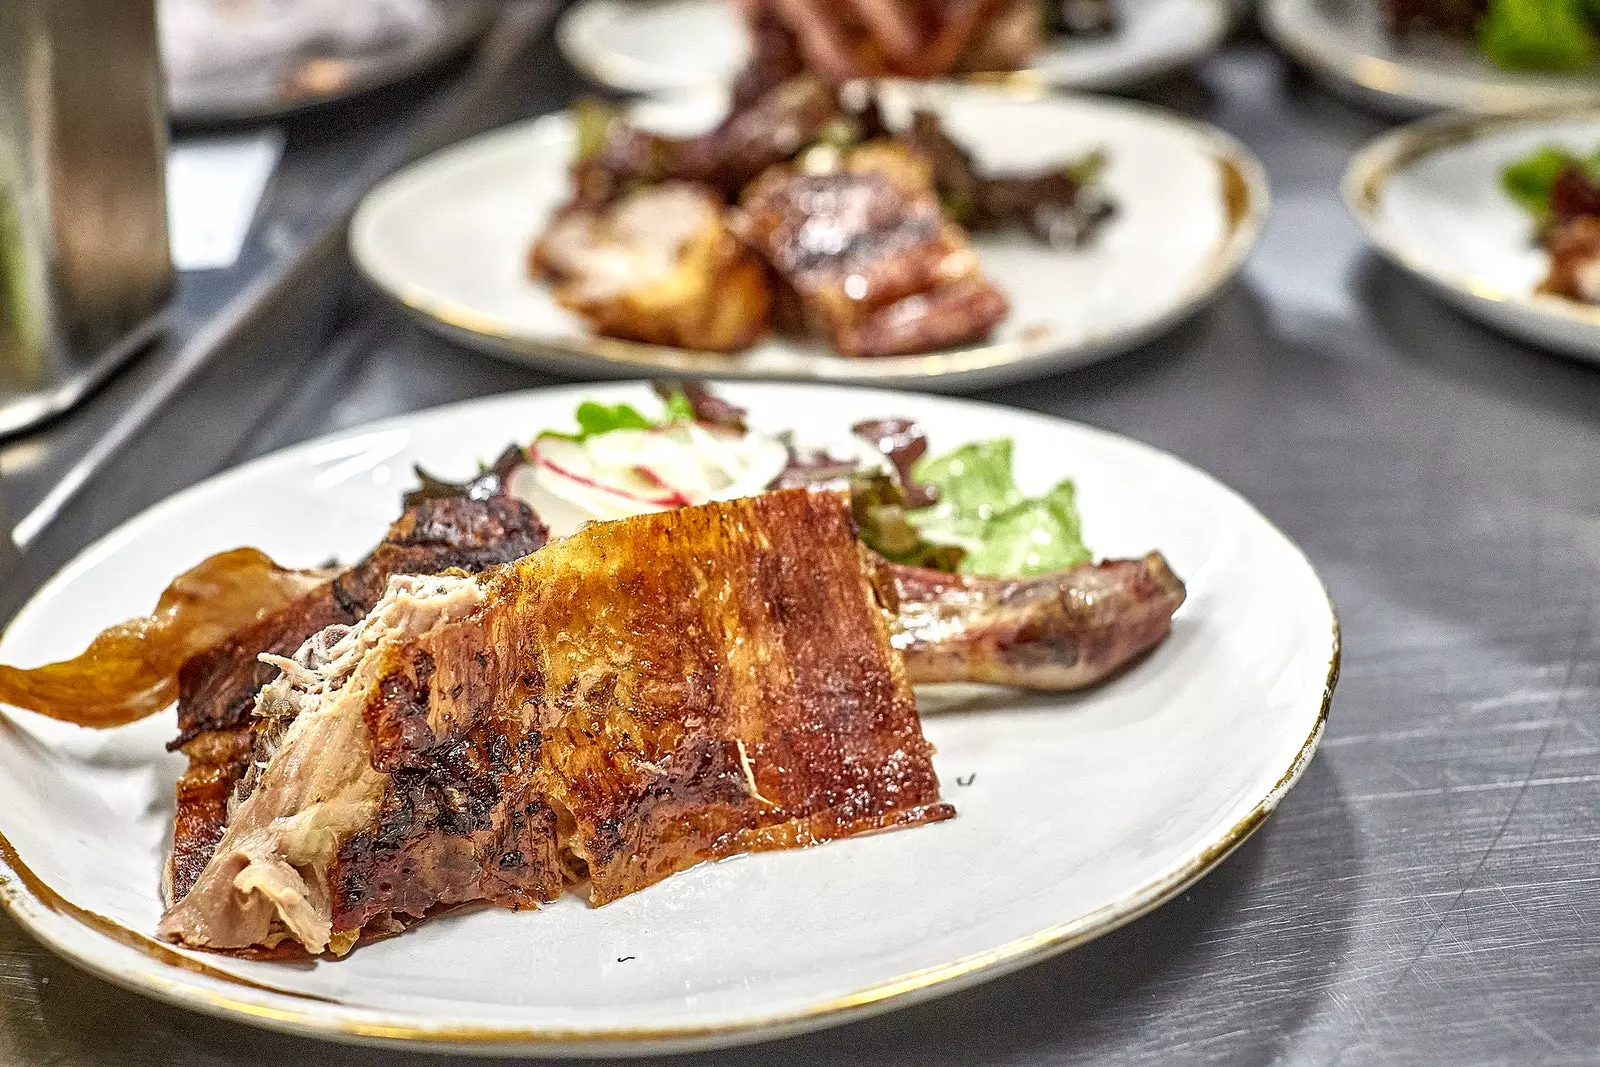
[85,271]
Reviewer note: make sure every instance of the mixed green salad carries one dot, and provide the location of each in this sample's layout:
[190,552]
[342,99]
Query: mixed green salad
[961,511]
[1554,35]
[1532,181]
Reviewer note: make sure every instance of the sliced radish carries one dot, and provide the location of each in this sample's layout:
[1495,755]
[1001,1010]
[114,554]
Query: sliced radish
[574,461]
[562,513]
[631,472]
[679,500]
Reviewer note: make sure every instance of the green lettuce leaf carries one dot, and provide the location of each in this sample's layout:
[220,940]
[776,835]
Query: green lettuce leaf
[879,505]
[1537,34]
[1528,180]
[974,486]
[595,418]
[1035,537]
[1001,532]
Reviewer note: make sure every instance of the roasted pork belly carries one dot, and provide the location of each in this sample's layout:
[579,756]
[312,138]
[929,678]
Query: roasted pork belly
[218,688]
[130,670]
[866,252]
[657,266]
[638,698]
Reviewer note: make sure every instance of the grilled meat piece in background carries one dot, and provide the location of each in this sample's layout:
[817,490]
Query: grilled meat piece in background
[657,266]
[1061,206]
[843,41]
[873,266]
[1571,235]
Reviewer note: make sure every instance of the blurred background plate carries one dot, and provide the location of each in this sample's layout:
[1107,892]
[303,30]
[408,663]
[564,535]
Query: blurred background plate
[1429,196]
[449,238]
[659,45]
[232,60]
[1345,44]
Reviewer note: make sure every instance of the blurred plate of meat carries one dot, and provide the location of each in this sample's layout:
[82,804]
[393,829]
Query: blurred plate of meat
[229,60]
[449,239]
[660,45]
[1348,45]
[1075,813]
[1431,197]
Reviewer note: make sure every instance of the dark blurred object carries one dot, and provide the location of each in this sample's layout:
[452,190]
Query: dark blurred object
[841,40]
[1084,18]
[1061,206]
[1554,35]
[615,156]
[84,264]
[1457,18]
[1572,236]
[1574,194]
[231,60]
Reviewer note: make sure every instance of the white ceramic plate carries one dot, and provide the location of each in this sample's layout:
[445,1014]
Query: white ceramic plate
[1429,196]
[650,46]
[1080,812]
[228,60]
[1344,43]
[449,239]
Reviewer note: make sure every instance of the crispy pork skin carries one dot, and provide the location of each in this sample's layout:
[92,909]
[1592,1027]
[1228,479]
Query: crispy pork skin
[635,699]
[1060,631]
[218,687]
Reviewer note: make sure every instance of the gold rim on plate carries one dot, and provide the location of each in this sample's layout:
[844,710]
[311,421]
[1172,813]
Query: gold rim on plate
[575,33]
[1412,86]
[28,898]
[20,887]
[1377,162]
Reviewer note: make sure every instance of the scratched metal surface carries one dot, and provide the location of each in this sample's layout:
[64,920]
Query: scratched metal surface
[1429,893]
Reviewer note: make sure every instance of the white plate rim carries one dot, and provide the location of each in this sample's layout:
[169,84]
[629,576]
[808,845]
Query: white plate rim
[1380,159]
[620,72]
[1224,14]
[1405,88]
[1246,204]
[28,899]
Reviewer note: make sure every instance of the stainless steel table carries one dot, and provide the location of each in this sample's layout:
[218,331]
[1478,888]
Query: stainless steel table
[1430,894]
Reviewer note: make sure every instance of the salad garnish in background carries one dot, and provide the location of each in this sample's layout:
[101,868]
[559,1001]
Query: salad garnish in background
[1559,35]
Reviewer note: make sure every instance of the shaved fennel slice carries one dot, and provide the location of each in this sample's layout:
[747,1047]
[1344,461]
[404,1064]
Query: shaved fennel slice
[632,472]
